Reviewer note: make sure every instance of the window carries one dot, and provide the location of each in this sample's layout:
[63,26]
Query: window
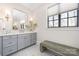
[72,18]
[69,18]
[50,21]
[53,21]
[72,13]
[73,21]
[63,15]
[63,20]
[66,19]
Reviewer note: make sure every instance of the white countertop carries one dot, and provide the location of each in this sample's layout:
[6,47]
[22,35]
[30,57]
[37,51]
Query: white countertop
[14,33]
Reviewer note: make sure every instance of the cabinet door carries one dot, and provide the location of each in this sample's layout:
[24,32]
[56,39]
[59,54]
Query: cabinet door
[9,44]
[0,45]
[9,50]
[21,43]
[27,40]
[33,38]
[9,40]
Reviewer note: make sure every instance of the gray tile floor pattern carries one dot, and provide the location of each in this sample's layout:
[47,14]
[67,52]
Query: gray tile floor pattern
[32,51]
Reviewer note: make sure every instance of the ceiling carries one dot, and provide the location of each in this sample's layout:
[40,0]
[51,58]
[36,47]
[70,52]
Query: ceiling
[33,6]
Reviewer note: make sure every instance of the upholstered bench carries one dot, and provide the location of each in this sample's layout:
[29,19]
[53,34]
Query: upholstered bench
[60,49]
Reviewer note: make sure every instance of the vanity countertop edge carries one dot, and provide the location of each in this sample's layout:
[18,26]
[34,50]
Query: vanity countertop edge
[16,33]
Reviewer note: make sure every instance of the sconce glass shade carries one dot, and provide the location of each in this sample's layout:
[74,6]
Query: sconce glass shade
[7,17]
[31,25]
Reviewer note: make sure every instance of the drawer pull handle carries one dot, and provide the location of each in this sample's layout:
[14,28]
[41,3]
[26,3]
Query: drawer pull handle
[9,46]
[10,50]
[10,42]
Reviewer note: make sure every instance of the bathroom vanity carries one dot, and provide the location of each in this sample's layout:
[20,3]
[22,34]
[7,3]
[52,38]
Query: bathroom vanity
[10,43]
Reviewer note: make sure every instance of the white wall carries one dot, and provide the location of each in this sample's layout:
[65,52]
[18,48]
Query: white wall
[9,7]
[14,6]
[17,6]
[68,36]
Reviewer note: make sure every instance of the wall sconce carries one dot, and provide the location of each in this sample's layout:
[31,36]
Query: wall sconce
[31,19]
[7,17]
[32,24]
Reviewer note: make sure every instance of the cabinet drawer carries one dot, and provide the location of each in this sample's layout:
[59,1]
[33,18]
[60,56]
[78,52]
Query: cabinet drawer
[9,42]
[13,36]
[9,37]
[21,35]
[9,49]
[24,36]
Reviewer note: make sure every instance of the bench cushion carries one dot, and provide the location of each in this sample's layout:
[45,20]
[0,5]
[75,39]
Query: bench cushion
[64,49]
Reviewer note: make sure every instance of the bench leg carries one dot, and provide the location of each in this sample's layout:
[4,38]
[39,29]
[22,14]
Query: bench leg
[42,48]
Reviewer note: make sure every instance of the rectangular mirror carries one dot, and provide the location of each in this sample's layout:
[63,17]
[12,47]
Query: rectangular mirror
[19,19]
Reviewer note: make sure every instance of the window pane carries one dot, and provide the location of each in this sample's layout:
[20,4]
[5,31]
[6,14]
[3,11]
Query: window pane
[73,21]
[75,11]
[56,23]
[50,23]
[50,18]
[55,17]
[63,22]
[72,13]
[64,15]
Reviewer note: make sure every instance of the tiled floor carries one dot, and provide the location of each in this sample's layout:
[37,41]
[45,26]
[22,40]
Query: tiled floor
[32,51]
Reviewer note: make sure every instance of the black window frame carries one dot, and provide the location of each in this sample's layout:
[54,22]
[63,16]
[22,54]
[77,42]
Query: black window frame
[63,18]
[53,21]
[73,17]
[59,19]
[49,21]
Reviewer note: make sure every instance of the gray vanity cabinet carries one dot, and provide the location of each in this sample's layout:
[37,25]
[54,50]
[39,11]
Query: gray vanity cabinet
[24,40]
[27,40]
[9,44]
[33,38]
[0,45]
[30,39]
[21,43]
[12,43]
